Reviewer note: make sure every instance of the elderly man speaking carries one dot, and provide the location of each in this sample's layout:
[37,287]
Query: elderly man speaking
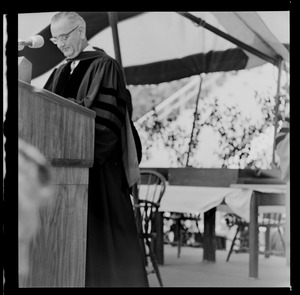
[91,78]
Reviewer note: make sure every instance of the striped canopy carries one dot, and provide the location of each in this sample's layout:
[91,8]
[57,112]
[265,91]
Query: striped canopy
[159,47]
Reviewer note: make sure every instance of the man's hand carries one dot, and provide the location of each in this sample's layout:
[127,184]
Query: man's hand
[74,100]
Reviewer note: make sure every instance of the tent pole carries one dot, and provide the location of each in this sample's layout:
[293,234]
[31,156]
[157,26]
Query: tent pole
[194,121]
[113,21]
[277,103]
[204,24]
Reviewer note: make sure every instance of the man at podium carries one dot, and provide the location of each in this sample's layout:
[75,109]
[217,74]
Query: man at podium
[91,78]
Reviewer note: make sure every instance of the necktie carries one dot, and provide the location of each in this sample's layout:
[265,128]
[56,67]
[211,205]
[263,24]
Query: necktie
[67,68]
[72,66]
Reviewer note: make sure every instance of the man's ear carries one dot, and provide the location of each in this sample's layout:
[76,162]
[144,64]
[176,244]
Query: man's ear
[82,32]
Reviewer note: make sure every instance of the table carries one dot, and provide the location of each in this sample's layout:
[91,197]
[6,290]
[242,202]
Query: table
[199,199]
[195,200]
[244,200]
[261,195]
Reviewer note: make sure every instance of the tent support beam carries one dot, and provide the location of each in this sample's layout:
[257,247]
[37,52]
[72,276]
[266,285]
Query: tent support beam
[113,21]
[202,23]
[194,122]
[277,103]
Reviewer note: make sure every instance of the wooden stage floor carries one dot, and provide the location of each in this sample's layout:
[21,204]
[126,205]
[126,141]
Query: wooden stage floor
[190,271]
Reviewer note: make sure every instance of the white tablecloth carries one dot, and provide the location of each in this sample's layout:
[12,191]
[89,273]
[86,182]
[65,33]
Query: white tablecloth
[199,199]
[241,204]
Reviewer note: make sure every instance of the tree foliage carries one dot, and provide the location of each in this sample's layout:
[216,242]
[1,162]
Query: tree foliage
[235,131]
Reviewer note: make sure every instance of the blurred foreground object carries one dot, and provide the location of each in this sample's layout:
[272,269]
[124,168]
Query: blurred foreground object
[34,190]
[283,148]
[283,151]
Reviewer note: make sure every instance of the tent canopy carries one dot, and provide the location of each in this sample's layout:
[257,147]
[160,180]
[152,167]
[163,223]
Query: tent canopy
[164,46]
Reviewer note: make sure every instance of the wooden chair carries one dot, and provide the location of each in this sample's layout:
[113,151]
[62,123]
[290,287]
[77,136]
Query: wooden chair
[269,221]
[241,233]
[150,190]
[266,220]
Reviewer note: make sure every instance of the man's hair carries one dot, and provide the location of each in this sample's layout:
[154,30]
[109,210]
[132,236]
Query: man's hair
[72,17]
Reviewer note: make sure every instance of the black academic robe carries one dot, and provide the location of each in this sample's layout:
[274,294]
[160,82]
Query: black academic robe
[114,256]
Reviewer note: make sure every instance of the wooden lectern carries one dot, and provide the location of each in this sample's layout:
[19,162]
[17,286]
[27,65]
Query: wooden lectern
[64,132]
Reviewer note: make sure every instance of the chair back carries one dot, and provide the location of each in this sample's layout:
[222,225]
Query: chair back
[151,186]
[273,219]
[148,194]
[150,190]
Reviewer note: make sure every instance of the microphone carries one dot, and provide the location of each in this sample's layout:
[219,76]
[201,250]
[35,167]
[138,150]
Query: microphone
[32,42]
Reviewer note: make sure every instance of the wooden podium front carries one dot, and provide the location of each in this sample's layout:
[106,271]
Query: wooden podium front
[64,132]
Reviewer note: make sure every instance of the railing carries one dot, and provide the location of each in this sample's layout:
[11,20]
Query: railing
[179,99]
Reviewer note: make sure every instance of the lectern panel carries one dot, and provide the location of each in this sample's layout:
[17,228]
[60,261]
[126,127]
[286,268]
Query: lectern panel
[59,128]
[57,254]
[64,133]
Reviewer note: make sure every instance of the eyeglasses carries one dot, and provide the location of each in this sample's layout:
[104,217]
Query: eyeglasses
[62,37]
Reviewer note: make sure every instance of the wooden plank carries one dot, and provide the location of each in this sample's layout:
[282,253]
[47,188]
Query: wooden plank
[57,254]
[267,176]
[202,177]
[209,236]
[71,162]
[159,241]
[260,173]
[270,199]
[179,236]
[248,180]
[253,237]
[65,175]
[260,176]
[267,242]
[52,97]
[163,171]
[64,133]
[60,132]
